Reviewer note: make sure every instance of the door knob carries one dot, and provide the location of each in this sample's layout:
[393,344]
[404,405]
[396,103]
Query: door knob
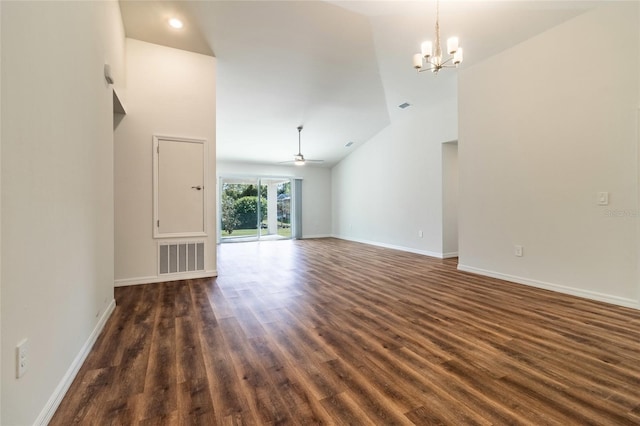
[197,187]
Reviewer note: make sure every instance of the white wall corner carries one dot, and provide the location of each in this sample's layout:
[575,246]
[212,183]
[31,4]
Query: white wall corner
[511,192]
[391,246]
[183,108]
[54,401]
[586,294]
[412,187]
[315,236]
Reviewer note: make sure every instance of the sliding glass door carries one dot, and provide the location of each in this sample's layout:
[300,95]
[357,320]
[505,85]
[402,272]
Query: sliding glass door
[255,208]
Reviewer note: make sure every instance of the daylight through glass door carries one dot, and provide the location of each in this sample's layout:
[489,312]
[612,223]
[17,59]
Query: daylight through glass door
[255,208]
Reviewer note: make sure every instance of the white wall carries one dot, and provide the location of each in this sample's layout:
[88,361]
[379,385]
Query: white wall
[543,129]
[450,199]
[391,187]
[316,191]
[0,213]
[57,192]
[169,92]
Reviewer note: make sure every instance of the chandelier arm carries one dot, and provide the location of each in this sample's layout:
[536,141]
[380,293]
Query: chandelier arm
[443,64]
[431,67]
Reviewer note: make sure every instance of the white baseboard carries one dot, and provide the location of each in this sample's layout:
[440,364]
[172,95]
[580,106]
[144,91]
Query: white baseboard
[391,246]
[56,398]
[449,255]
[164,278]
[309,237]
[593,295]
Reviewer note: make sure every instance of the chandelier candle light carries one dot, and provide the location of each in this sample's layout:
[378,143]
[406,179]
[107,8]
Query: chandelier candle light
[430,60]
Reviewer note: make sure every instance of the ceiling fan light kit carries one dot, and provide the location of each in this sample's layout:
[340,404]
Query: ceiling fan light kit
[430,59]
[299,159]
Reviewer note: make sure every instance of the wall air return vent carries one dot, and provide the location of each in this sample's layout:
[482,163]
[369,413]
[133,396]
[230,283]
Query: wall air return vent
[174,258]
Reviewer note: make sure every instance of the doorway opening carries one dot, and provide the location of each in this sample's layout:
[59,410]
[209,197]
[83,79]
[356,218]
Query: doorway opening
[450,199]
[254,209]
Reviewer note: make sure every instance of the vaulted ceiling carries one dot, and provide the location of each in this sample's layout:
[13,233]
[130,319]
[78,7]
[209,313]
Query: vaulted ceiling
[339,68]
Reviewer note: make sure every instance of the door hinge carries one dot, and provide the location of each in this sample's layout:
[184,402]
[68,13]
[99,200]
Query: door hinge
[158,223]
[158,149]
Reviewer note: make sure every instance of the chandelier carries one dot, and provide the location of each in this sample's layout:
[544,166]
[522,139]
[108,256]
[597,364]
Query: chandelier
[431,59]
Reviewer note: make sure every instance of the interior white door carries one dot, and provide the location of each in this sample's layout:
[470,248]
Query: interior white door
[180,188]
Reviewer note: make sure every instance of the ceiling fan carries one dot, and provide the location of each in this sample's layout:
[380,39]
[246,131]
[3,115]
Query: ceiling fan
[299,159]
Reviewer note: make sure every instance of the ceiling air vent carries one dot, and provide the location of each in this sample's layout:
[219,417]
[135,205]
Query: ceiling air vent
[404,105]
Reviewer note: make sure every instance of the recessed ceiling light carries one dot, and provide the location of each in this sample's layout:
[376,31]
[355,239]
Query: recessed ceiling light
[176,23]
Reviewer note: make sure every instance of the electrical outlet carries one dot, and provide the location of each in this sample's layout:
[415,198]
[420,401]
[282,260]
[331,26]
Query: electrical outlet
[22,358]
[518,251]
[603,198]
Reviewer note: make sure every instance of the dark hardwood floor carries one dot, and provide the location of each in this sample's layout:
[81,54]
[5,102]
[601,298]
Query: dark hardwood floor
[334,332]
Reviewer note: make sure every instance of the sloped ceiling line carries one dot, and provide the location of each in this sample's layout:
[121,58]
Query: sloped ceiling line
[338,68]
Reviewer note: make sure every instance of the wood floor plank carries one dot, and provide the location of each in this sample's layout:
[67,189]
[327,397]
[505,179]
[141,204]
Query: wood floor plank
[120,411]
[230,405]
[195,406]
[345,410]
[260,395]
[303,407]
[160,387]
[190,361]
[331,332]
[90,396]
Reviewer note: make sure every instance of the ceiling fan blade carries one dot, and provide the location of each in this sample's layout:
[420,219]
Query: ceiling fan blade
[306,161]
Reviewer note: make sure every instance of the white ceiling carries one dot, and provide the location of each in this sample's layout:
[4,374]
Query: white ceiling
[339,68]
